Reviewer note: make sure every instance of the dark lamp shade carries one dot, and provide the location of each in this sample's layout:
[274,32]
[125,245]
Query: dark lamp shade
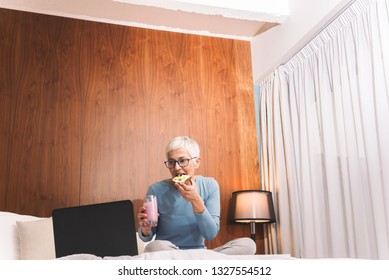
[253,206]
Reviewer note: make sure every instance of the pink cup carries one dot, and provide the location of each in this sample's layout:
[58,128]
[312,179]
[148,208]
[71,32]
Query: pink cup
[151,205]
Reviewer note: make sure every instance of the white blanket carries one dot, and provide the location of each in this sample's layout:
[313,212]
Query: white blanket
[193,254]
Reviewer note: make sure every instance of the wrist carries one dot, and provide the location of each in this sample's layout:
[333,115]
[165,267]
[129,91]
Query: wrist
[145,233]
[198,206]
[200,210]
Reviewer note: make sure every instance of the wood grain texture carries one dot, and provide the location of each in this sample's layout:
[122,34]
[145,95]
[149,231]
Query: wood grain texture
[89,107]
[43,161]
[6,34]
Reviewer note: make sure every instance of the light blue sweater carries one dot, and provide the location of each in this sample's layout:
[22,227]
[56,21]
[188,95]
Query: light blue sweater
[177,221]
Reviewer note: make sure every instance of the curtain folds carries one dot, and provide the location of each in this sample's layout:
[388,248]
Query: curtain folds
[324,127]
[274,135]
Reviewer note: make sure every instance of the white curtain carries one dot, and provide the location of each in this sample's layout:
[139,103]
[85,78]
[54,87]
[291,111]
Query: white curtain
[324,126]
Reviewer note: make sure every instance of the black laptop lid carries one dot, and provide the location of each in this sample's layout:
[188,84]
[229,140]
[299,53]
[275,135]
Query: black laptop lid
[104,229]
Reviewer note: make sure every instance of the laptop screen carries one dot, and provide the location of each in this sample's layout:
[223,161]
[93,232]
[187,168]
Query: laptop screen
[103,229]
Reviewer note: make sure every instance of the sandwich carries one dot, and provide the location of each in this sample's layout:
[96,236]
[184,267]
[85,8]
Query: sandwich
[181,179]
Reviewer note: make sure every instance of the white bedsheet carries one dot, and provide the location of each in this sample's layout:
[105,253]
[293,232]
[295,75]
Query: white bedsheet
[193,254]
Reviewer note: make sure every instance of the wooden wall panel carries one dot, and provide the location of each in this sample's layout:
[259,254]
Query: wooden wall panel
[114,139]
[43,159]
[95,104]
[5,103]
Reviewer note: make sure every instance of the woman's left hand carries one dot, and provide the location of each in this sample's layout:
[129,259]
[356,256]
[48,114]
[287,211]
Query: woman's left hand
[189,193]
[188,190]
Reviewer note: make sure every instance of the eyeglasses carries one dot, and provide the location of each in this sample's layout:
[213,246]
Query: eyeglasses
[183,162]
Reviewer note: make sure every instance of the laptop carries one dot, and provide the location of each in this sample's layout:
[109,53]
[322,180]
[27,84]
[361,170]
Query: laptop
[103,229]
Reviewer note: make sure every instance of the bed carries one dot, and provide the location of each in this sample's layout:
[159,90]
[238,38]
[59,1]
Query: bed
[25,237]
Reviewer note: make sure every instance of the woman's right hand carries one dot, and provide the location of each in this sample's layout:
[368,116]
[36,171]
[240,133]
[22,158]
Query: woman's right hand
[142,221]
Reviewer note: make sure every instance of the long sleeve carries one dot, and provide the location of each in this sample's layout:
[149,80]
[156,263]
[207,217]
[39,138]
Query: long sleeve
[209,220]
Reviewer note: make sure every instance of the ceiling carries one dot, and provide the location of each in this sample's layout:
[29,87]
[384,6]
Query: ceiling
[242,20]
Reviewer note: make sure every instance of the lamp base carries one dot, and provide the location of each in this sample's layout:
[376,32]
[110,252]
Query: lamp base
[252,230]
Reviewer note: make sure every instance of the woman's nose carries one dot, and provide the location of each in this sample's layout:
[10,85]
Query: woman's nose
[177,166]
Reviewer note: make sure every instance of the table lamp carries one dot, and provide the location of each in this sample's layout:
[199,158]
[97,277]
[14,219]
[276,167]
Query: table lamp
[253,206]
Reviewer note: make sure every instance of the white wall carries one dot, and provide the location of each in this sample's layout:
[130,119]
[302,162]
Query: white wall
[262,10]
[277,45]
[240,20]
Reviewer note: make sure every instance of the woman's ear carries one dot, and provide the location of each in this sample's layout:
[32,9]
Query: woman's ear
[197,162]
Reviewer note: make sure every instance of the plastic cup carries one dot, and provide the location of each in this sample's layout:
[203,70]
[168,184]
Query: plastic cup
[151,205]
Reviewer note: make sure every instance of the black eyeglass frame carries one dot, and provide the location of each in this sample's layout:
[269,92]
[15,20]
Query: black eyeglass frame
[187,160]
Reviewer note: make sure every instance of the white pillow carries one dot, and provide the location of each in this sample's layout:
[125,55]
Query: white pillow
[36,239]
[9,237]
[10,248]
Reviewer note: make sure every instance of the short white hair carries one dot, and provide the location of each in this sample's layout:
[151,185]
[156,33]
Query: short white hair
[183,142]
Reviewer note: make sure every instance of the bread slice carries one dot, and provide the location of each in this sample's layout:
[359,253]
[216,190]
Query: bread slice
[181,178]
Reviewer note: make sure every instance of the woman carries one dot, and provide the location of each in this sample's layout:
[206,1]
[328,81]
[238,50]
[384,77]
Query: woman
[189,212]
